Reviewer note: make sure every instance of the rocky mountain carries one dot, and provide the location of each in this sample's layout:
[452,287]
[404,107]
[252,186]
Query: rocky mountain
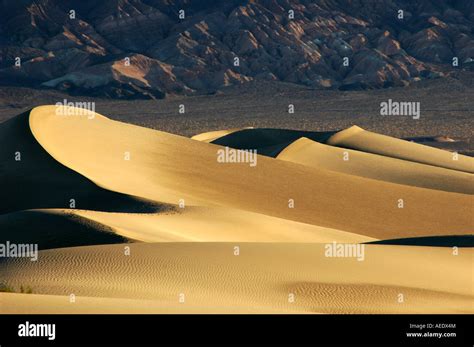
[155,48]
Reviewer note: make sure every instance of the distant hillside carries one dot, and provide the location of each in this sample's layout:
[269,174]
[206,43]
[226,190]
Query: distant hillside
[155,48]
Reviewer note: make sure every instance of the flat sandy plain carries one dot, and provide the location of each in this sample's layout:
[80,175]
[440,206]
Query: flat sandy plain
[160,226]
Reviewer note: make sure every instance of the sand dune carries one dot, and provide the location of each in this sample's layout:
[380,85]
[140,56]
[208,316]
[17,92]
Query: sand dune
[14,303]
[311,153]
[363,140]
[260,278]
[168,168]
[56,228]
[181,213]
[268,142]
[215,224]
[36,180]
[214,135]
[50,228]
[434,241]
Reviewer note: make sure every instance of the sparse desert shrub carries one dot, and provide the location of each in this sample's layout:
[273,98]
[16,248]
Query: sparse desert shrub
[26,290]
[4,288]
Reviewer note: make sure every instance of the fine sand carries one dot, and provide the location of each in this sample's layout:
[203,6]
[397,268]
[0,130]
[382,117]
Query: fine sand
[215,224]
[88,189]
[209,277]
[378,167]
[214,135]
[363,140]
[172,169]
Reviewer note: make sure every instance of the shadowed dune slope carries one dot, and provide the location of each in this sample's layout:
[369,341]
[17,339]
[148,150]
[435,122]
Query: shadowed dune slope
[214,135]
[37,180]
[434,241]
[57,228]
[54,229]
[168,168]
[311,153]
[362,140]
[211,277]
[267,142]
[31,178]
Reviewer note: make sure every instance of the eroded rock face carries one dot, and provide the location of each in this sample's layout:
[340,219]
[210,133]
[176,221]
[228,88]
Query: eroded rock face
[154,48]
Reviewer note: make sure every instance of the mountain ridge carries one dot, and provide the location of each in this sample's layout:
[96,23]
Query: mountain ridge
[155,48]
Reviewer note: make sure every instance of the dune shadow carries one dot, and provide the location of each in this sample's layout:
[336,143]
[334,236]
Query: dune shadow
[54,230]
[267,141]
[31,178]
[434,241]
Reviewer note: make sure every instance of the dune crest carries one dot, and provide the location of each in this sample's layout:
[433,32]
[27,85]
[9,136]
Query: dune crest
[168,169]
[216,224]
[163,219]
[366,141]
[378,167]
[214,135]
